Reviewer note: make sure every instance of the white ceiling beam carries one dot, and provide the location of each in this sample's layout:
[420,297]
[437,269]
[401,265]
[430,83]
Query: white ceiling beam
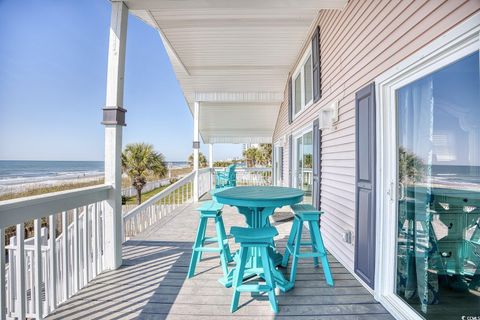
[267,4]
[240,97]
[238,139]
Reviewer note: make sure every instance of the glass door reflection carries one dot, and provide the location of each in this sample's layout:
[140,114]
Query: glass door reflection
[438,240]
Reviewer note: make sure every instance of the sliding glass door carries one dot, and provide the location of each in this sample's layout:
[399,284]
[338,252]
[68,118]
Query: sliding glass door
[438,202]
[304,164]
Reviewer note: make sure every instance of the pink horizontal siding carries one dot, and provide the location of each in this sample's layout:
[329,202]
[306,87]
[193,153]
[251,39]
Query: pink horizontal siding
[358,44]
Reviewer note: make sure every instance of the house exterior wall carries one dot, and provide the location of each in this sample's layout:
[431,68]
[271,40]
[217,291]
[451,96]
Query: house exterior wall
[358,44]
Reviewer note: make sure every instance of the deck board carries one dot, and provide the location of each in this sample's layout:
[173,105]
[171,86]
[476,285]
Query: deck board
[152,284]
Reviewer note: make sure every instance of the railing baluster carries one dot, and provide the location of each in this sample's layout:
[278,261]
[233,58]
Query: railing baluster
[52,244]
[65,255]
[38,270]
[29,285]
[76,251]
[11,274]
[94,237]
[101,233]
[97,237]
[20,275]
[85,246]
[3,287]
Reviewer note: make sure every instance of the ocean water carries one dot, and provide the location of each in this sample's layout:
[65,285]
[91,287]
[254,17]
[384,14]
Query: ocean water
[456,175]
[16,171]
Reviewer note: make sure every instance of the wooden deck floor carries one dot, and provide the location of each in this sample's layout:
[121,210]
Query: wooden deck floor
[152,283]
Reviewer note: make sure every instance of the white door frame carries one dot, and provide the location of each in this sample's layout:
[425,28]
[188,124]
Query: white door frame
[455,44]
[295,136]
[276,177]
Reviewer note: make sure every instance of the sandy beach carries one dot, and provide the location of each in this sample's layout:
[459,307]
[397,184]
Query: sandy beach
[8,186]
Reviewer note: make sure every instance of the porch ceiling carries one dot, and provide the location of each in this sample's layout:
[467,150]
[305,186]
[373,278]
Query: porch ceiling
[233,57]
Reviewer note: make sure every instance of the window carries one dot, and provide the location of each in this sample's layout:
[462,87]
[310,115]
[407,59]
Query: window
[304,165]
[303,84]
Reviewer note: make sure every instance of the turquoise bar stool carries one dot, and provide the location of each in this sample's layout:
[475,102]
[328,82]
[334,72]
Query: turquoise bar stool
[210,210]
[306,213]
[254,239]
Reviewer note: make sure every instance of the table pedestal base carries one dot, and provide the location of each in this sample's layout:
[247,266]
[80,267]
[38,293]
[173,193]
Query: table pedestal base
[280,281]
[258,217]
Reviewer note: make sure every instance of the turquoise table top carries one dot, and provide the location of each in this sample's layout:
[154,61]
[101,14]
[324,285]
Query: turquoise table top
[257,204]
[260,196]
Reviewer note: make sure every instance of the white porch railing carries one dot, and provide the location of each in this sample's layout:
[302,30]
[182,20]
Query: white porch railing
[252,176]
[160,205]
[43,271]
[149,186]
[39,273]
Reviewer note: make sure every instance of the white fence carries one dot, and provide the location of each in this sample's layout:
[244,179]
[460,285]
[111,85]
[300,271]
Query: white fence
[54,267]
[178,194]
[149,186]
[252,176]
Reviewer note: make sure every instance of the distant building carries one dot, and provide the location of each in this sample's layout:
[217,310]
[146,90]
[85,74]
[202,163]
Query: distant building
[250,145]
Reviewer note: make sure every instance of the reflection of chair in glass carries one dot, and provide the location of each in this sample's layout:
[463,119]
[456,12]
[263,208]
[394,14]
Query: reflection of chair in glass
[418,256]
[459,212]
[438,236]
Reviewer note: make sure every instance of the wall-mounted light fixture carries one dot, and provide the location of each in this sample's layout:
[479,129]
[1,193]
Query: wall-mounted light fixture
[329,115]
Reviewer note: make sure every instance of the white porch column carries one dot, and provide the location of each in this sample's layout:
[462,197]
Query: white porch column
[210,165]
[114,119]
[196,147]
[210,156]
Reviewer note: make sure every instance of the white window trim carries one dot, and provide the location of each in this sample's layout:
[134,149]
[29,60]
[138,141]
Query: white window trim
[278,179]
[300,71]
[295,136]
[455,44]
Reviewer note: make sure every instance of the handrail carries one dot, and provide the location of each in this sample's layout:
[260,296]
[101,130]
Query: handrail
[34,264]
[165,202]
[253,176]
[158,196]
[19,210]
[149,186]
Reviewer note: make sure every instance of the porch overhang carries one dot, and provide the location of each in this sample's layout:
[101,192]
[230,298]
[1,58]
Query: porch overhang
[233,57]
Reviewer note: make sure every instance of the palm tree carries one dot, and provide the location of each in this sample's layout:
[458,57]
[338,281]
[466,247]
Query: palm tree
[265,154]
[261,155]
[140,160]
[411,167]
[250,155]
[202,160]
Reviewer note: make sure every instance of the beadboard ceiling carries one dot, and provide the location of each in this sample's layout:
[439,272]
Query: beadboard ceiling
[233,57]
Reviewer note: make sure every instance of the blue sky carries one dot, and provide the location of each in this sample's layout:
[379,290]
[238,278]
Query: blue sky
[53,61]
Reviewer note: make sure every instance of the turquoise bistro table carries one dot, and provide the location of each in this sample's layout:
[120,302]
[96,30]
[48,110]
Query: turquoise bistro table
[257,204]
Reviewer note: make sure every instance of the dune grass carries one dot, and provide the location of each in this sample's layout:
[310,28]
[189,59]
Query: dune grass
[33,191]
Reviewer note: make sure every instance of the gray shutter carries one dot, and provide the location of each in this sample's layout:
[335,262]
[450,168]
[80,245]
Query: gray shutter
[290,103]
[316,66]
[317,154]
[290,160]
[365,185]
